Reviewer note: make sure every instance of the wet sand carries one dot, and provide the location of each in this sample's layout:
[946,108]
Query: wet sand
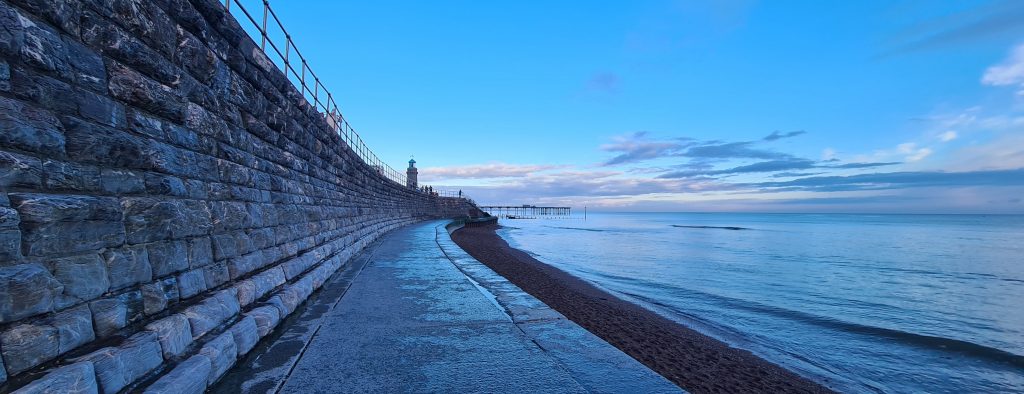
[694,361]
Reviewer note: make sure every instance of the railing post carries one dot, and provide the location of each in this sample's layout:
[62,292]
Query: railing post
[227,5]
[266,8]
[287,49]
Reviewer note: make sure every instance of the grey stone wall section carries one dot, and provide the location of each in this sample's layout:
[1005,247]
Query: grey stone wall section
[164,190]
[73,379]
[187,378]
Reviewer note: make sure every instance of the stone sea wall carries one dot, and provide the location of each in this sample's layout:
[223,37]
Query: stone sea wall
[166,195]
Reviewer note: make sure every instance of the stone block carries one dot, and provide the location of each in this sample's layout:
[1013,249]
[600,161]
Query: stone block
[71,176]
[212,312]
[111,147]
[140,91]
[188,377]
[61,13]
[43,48]
[114,313]
[61,238]
[173,333]
[200,252]
[77,378]
[117,367]
[229,215]
[218,191]
[225,246]
[63,224]
[261,238]
[149,23]
[195,57]
[189,139]
[43,91]
[19,170]
[295,267]
[287,299]
[87,66]
[109,315]
[97,31]
[31,129]
[222,353]
[43,208]
[26,345]
[240,266]
[84,277]
[9,221]
[266,318]
[99,108]
[121,181]
[216,275]
[205,123]
[168,257]
[267,280]
[304,287]
[127,266]
[159,184]
[191,283]
[246,335]
[29,289]
[196,189]
[146,125]
[10,246]
[272,255]
[5,77]
[74,328]
[151,219]
[158,295]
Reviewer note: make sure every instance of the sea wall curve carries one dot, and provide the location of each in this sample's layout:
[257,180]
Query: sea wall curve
[166,195]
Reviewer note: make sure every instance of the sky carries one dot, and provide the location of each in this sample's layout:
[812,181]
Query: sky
[792,106]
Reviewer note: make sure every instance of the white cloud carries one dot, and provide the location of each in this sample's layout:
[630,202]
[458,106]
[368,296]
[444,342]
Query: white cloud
[912,152]
[948,136]
[482,171]
[1004,151]
[919,154]
[828,154]
[1008,73]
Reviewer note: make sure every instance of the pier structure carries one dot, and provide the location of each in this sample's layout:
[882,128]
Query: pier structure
[526,211]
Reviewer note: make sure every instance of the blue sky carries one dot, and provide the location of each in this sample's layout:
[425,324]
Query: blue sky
[820,106]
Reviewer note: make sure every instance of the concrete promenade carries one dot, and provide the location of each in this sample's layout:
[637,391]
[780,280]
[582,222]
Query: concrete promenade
[416,314]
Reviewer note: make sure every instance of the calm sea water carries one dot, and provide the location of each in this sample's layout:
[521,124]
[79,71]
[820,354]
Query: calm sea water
[862,303]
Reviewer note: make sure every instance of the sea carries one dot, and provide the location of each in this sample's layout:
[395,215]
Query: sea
[860,303]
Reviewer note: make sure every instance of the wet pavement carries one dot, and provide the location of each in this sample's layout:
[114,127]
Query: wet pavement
[414,313]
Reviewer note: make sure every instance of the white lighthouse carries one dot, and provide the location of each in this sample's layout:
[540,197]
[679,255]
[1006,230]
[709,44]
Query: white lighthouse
[411,174]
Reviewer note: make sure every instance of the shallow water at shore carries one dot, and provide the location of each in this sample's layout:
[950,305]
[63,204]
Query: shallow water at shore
[866,303]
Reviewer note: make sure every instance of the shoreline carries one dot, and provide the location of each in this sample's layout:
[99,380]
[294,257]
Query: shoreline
[688,358]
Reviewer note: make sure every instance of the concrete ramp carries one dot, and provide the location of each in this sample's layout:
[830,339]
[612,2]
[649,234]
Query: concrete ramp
[419,315]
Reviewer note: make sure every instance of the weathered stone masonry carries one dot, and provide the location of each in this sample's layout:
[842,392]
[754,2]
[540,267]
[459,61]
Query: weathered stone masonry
[166,195]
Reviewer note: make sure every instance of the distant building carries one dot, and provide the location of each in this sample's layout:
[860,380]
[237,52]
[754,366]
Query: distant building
[411,174]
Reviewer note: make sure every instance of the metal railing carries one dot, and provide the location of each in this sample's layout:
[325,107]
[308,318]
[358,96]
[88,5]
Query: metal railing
[317,94]
[450,193]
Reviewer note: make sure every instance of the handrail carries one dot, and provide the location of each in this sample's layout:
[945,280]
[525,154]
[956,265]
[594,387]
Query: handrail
[331,112]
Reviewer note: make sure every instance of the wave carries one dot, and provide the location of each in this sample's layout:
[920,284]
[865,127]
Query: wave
[716,227]
[930,342]
[579,228]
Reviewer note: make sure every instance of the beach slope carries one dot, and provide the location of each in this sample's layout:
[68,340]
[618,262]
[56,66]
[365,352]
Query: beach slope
[694,361]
